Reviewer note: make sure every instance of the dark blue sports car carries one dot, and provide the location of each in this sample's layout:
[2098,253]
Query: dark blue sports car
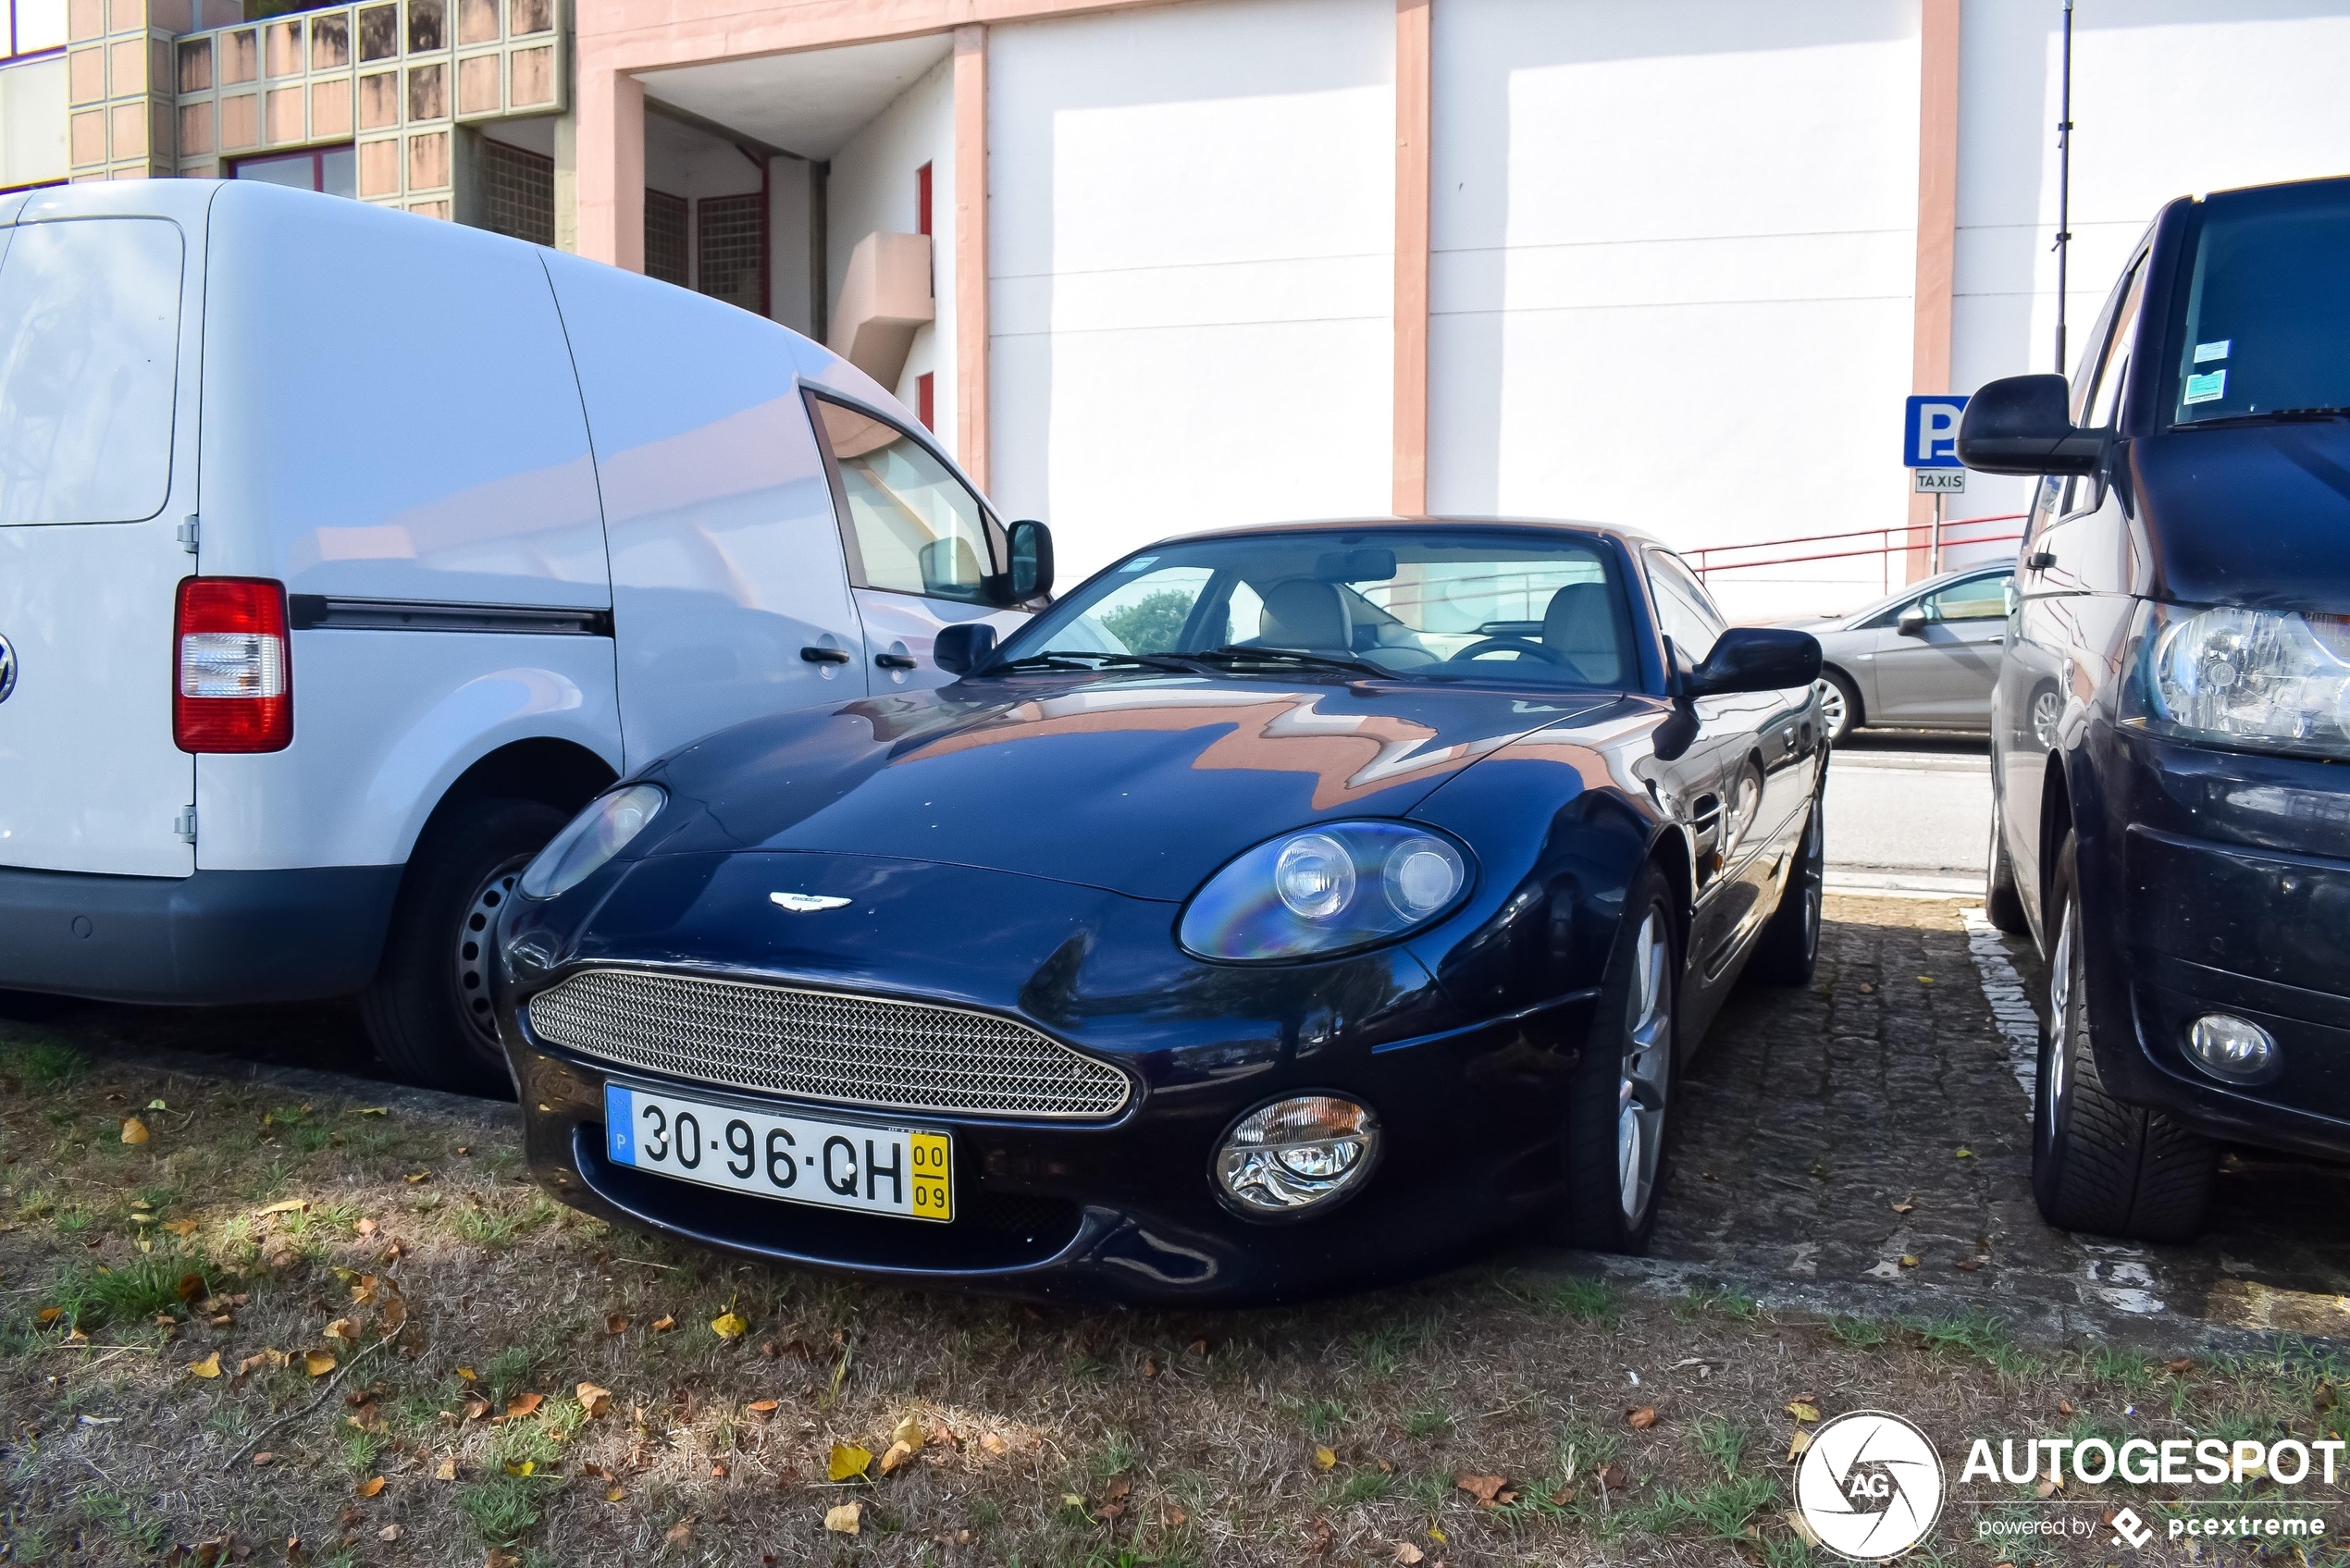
[1283,910]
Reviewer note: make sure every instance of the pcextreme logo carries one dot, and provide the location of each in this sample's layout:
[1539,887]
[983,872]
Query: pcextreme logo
[1869,1485]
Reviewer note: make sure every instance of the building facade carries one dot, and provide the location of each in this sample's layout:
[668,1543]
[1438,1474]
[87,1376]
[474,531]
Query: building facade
[1152,267]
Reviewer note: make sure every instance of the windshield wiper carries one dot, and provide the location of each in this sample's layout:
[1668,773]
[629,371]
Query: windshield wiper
[1073,659]
[1234,654]
[2314,412]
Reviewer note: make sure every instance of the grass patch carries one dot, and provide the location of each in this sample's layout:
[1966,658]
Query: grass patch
[1582,1298]
[1861,1333]
[148,1286]
[39,1062]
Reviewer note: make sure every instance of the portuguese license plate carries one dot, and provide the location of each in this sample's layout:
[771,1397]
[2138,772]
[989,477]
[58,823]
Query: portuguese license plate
[896,1170]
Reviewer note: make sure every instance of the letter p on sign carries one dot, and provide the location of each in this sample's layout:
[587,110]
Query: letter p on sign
[1930,432]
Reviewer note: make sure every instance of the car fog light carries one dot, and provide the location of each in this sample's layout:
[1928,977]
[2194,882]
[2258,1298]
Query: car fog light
[2233,1048]
[1294,1154]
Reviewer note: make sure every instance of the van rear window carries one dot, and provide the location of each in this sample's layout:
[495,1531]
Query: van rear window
[89,346]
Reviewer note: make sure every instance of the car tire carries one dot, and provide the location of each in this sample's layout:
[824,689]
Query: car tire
[1621,1086]
[2098,1165]
[2002,904]
[1839,702]
[1788,948]
[427,1009]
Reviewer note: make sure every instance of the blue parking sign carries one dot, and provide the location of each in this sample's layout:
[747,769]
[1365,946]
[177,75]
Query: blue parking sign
[1930,431]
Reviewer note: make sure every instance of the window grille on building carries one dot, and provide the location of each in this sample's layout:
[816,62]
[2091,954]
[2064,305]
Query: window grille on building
[518,192]
[733,230]
[666,238]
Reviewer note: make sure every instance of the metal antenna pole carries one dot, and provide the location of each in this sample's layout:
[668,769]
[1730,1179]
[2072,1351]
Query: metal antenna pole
[2065,184]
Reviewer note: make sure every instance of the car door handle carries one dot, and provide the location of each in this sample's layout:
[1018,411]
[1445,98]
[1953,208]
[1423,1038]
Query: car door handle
[895,661]
[824,655]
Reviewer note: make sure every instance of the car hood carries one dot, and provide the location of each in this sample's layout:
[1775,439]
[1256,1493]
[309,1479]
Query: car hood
[1138,786]
[2254,515]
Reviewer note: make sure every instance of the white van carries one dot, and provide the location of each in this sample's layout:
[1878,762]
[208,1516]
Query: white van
[345,554]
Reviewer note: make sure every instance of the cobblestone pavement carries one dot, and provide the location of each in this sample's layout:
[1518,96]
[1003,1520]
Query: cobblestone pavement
[1866,1145]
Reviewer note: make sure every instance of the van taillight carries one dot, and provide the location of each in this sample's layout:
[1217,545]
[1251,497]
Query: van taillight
[233,670]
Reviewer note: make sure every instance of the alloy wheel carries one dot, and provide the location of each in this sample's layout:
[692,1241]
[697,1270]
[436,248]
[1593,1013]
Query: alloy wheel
[1641,1087]
[1833,711]
[2061,1018]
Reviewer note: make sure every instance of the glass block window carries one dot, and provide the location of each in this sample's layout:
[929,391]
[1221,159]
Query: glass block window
[733,234]
[666,238]
[518,194]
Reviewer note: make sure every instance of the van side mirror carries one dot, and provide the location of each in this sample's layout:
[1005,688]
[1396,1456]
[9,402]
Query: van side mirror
[1912,622]
[1030,576]
[1755,658]
[2023,424]
[963,647]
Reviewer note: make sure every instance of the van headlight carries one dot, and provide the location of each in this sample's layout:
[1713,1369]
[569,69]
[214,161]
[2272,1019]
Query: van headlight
[594,837]
[1325,890]
[2257,679]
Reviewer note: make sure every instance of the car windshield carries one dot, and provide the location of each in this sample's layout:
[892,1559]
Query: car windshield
[2261,330]
[1515,606]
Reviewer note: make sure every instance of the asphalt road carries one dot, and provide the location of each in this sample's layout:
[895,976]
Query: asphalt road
[1909,811]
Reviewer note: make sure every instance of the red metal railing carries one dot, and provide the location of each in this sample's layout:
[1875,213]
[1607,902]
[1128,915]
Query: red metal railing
[1894,539]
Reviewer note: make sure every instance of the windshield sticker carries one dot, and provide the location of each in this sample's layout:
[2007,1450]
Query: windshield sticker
[2203,351]
[1138,563]
[2206,389]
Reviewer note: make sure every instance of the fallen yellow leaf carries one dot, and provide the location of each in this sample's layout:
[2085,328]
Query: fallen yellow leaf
[663,1324]
[208,1367]
[1908,1260]
[898,1455]
[909,1431]
[1323,1459]
[181,1226]
[1797,1442]
[995,1442]
[340,1329]
[288,1205]
[469,1374]
[594,1400]
[1407,1554]
[615,1495]
[371,1486]
[157,1106]
[47,1315]
[1966,1153]
[318,1363]
[761,1408]
[447,1469]
[1803,1410]
[523,1404]
[847,1461]
[414,1176]
[527,1467]
[134,1131]
[844,1519]
[616,1323]
[729,1325]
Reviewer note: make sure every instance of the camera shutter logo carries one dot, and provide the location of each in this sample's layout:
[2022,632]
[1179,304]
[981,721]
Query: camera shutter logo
[1869,1485]
[7,668]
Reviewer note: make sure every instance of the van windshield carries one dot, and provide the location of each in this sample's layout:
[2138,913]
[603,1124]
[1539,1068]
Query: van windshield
[1465,604]
[88,348]
[2262,331]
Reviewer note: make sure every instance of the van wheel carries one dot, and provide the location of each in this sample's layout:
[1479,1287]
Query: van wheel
[1788,948]
[2098,1165]
[427,1009]
[2002,905]
[1621,1087]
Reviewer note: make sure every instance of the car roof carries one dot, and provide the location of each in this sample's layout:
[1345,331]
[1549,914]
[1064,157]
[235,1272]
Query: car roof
[1922,587]
[1632,537]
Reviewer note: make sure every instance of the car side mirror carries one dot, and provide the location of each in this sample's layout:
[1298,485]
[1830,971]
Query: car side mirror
[1912,622]
[963,647]
[1756,658]
[2023,424]
[1030,576]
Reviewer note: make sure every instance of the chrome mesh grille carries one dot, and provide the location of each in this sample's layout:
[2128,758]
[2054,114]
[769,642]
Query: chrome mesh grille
[823,1045]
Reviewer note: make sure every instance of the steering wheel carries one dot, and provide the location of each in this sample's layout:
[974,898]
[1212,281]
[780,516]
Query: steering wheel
[1484,646]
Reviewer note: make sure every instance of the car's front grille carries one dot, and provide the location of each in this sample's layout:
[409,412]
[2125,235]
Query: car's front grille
[824,1045]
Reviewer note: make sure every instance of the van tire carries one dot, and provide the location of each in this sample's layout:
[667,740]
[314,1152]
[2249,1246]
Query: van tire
[2099,1164]
[427,1023]
[2002,904]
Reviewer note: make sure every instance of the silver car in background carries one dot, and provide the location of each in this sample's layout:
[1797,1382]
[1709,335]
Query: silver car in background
[1924,658]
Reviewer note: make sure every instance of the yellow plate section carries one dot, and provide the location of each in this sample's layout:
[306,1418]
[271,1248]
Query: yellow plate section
[933,1177]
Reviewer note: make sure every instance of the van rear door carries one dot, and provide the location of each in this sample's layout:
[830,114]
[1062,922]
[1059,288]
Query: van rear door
[97,471]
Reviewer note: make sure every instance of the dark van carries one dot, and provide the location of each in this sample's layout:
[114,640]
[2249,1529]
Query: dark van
[2171,734]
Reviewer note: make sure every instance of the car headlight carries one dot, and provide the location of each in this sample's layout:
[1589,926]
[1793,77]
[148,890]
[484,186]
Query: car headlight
[2252,678]
[594,836]
[1294,1154]
[1325,890]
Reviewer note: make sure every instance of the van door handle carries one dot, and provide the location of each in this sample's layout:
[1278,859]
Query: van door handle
[2040,560]
[895,661]
[824,655]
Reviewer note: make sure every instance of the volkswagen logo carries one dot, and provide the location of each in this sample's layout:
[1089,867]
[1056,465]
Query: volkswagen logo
[7,668]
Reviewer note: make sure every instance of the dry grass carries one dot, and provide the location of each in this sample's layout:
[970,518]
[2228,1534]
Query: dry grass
[1330,1433]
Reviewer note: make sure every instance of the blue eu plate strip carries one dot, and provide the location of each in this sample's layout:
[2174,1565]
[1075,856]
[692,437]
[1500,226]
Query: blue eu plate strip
[620,1122]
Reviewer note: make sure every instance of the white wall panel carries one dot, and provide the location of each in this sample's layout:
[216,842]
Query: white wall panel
[871,189]
[2170,97]
[1192,241]
[1674,252]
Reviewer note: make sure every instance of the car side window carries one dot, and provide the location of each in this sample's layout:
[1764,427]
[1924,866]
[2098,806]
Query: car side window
[910,526]
[1683,610]
[1975,598]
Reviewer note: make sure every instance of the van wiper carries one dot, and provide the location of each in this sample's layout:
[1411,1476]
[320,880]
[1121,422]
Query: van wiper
[1234,654]
[2314,414]
[1093,658]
